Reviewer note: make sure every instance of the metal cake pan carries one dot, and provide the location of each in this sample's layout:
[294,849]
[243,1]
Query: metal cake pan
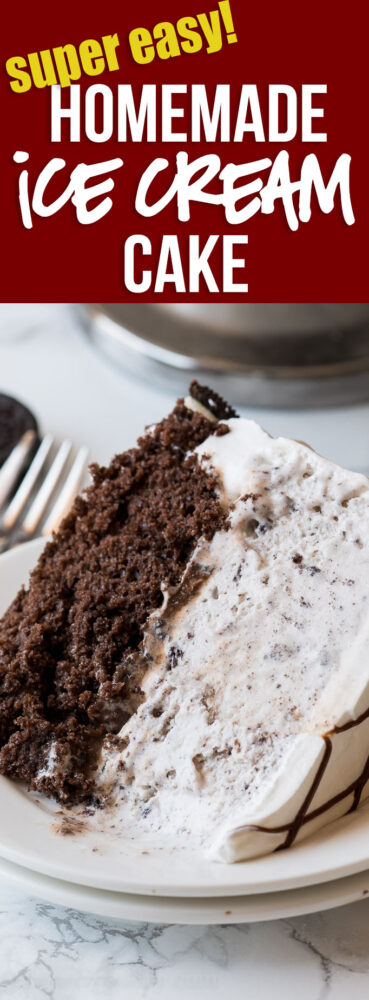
[281,355]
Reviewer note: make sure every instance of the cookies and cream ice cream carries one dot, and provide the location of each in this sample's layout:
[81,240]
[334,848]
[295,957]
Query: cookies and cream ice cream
[254,728]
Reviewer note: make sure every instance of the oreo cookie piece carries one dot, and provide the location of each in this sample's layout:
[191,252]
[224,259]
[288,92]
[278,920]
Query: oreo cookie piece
[212,401]
[15,419]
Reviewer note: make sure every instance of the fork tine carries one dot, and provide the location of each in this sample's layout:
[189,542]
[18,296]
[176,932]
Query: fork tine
[67,493]
[14,463]
[24,491]
[38,507]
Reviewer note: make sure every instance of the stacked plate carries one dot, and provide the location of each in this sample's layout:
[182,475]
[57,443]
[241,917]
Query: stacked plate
[79,865]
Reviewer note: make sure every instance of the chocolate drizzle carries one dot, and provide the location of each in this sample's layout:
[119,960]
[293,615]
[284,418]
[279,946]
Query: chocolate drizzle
[352,722]
[303,816]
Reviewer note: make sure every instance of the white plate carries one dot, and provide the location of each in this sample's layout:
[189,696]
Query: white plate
[156,909]
[95,859]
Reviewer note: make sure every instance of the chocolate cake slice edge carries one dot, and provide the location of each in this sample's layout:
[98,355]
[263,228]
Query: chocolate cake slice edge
[68,670]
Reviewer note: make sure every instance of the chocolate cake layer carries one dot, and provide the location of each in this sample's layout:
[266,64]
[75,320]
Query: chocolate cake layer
[68,674]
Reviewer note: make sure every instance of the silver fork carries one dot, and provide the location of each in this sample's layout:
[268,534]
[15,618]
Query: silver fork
[44,494]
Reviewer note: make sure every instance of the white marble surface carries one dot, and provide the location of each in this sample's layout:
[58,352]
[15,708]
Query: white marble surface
[47,951]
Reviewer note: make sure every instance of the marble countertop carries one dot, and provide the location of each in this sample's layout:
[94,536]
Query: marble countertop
[50,952]
[47,951]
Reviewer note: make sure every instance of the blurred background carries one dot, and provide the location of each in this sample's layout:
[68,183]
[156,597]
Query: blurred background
[282,354]
[98,374]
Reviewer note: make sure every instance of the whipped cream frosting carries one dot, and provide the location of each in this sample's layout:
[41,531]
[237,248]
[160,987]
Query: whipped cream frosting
[254,729]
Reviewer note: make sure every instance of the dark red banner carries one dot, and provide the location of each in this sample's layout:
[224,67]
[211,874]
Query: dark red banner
[228,150]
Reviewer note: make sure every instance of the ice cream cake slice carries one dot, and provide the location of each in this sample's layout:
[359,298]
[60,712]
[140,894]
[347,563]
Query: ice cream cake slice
[193,648]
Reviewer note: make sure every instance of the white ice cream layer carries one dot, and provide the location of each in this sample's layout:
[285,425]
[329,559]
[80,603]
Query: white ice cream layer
[267,652]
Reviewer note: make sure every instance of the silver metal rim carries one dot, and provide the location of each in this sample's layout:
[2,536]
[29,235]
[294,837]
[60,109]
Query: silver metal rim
[271,386]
